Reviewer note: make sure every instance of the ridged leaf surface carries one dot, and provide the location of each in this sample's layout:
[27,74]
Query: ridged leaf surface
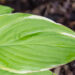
[30,43]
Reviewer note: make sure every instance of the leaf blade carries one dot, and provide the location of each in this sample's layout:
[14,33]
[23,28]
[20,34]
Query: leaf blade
[35,73]
[5,9]
[31,44]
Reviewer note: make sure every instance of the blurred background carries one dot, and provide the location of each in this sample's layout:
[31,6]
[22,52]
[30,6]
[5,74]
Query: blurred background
[61,11]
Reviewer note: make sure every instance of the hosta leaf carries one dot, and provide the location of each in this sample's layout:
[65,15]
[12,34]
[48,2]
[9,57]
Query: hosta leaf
[35,73]
[30,43]
[5,9]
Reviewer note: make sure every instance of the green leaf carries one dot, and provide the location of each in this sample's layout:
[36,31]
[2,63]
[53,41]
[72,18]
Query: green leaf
[5,9]
[35,73]
[30,43]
